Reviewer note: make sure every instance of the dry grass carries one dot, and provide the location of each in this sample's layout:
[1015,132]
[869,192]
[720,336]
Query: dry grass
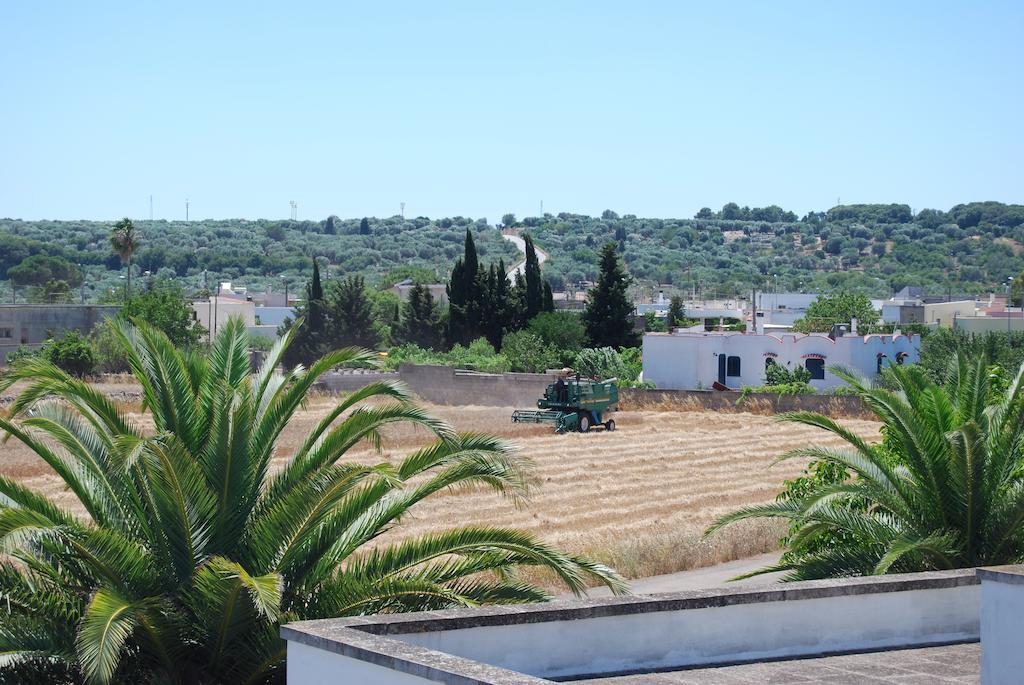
[638,499]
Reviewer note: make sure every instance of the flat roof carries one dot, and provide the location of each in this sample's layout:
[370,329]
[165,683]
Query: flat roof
[943,664]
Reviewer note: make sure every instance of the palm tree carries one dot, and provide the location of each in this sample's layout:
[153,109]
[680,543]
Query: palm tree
[125,240]
[194,549]
[944,489]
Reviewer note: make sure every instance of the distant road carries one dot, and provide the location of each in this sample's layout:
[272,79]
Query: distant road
[521,246]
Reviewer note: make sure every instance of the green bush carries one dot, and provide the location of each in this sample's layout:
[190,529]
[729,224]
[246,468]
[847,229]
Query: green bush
[71,353]
[479,356]
[108,351]
[527,352]
[777,374]
[782,389]
[562,330]
[599,362]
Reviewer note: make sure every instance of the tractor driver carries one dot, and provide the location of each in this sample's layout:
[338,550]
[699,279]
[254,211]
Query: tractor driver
[561,389]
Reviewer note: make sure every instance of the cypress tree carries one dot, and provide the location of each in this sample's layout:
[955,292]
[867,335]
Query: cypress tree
[549,298]
[517,299]
[534,281]
[465,296]
[351,315]
[609,312]
[310,340]
[364,227]
[420,324]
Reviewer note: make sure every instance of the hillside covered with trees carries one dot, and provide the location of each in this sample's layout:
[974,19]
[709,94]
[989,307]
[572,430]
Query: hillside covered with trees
[872,249]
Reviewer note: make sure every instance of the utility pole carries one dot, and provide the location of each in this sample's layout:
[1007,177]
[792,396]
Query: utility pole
[295,210]
[542,208]
[186,209]
[402,206]
[150,207]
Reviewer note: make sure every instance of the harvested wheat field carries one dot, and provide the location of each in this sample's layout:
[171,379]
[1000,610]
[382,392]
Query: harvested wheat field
[638,498]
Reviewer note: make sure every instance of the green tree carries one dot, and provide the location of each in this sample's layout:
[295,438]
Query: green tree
[163,305]
[676,313]
[351,315]
[72,353]
[37,269]
[421,320]
[192,549]
[1017,291]
[331,225]
[364,226]
[549,298]
[609,312]
[943,490]
[841,307]
[311,320]
[534,280]
[125,239]
[600,363]
[562,330]
[508,220]
[464,296]
[526,352]
[497,305]
[53,291]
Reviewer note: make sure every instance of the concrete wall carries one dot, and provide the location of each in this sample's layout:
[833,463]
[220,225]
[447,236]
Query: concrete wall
[1002,608]
[220,309]
[519,645]
[742,632]
[988,324]
[636,399]
[944,313]
[274,316]
[31,324]
[354,379]
[445,385]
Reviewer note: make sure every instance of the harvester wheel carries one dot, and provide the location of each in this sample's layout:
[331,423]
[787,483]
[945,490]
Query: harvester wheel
[609,425]
[584,424]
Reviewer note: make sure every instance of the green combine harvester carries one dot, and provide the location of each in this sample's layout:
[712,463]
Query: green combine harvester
[574,405]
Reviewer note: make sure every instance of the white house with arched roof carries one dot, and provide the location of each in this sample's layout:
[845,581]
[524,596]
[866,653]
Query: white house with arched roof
[692,360]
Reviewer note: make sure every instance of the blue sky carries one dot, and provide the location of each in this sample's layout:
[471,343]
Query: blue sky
[480,108]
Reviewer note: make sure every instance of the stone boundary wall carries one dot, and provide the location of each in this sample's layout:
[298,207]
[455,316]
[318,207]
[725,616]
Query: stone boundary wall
[635,399]
[445,385]
[349,381]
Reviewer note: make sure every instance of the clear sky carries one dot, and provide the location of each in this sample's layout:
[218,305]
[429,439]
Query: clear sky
[481,108]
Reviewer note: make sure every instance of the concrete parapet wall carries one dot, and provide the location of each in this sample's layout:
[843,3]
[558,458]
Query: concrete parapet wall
[605,637]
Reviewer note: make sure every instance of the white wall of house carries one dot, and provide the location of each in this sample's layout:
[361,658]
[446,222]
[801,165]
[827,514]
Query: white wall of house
[274,316]
[944,313]
[988,324]
[687,361]
[220,309]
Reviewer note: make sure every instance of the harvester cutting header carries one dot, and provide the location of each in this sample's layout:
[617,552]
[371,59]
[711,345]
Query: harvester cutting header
[574,404]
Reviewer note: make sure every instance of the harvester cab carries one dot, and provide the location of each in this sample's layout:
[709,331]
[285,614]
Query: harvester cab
[574,404]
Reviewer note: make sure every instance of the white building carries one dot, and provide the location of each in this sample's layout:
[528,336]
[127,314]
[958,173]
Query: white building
[782,309]
[692,360]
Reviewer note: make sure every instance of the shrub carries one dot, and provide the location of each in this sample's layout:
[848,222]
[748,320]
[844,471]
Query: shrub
[777,374]
[527,352]
[599,362]
[71,353]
